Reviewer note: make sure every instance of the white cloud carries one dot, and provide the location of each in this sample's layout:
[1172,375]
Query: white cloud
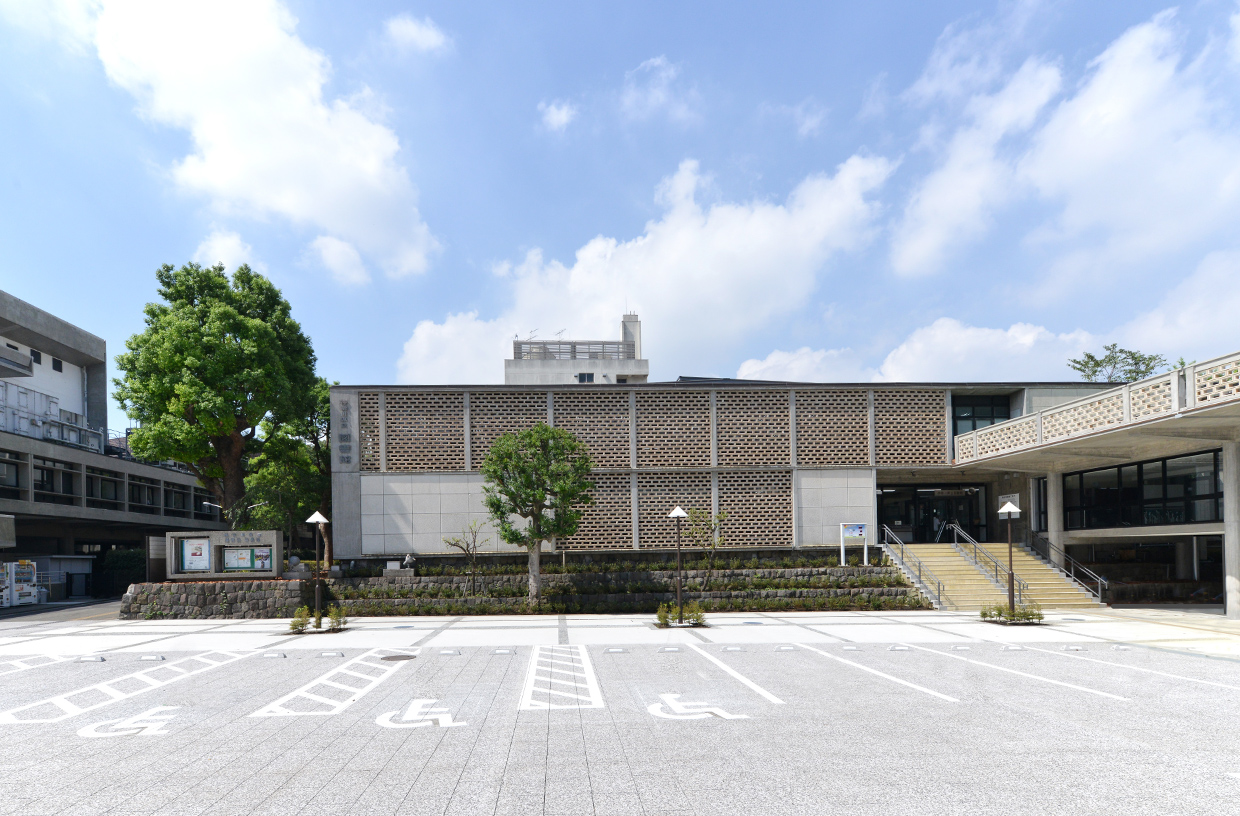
[651,89]
[557,115]
[1197,318]
[948,350]
[701,278]
[969,59]
[226,247]
[265,140]
[807,116]
[953,203]
[405,32]
[807,365]
[341,259]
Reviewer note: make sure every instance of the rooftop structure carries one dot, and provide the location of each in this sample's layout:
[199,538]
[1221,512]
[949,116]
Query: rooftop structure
[557,362]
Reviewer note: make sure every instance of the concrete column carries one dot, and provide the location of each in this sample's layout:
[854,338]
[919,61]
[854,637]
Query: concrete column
[1231,528]
[1183,560]
[1054,516]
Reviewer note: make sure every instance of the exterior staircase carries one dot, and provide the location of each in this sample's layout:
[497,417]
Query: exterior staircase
[965,586]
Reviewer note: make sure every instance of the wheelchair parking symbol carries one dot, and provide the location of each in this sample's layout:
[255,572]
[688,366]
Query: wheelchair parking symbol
[677,710]
[147,724]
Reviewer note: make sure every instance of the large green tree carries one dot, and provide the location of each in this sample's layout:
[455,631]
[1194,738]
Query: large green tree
[221,367]
[1117,365]
[292,476]
[540,475]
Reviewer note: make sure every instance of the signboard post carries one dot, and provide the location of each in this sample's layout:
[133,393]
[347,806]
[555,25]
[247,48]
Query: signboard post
[1009,510]
[854,534]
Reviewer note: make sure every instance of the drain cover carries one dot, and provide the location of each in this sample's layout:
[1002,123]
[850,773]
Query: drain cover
[785,648]
[614,650]
[852,648]
[670,649]
[91,659]
[331,654]
[1074,648]
[274,654]
[733,649]
[1013,648]
[395,658]
[151,657]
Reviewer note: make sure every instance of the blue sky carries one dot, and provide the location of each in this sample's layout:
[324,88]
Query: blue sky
[835,192]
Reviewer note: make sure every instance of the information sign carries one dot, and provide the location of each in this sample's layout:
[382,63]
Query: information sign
[196,555]
[852,535]
[238,558]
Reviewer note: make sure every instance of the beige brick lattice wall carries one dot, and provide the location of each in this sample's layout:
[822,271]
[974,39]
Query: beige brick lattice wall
[425,431]
[608,523]
[910,428]
[833,428]
[368,430]
[1151,400]
[657,494]
[759,508]
[493,414]
[963,446]
[1218,382]
[1007,436]
[1081,418]
[754,428]
[673,429]
[600,420]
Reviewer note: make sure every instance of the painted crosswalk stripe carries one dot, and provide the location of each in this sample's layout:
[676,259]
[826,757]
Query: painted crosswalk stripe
[64,706]
[568,668]
[339,688]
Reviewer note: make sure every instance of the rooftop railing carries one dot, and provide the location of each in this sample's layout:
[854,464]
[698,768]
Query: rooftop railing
[574,350]
[1212,382]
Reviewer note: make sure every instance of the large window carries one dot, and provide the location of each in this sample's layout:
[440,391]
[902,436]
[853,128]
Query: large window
[1183,490]
[53,481]
[971,413]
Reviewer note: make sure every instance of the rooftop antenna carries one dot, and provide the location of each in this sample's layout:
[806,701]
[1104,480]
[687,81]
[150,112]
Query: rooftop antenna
[560,334]
[531,337]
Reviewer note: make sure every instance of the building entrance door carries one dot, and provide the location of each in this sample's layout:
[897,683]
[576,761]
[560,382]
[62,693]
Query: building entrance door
[921,514]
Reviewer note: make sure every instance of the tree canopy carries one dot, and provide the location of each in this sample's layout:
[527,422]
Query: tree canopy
[542,476]
[220,370]
[1117,365]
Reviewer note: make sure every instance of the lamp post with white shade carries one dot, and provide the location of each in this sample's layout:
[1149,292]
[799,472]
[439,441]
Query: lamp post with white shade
[318,521]
[679,514]
[1010,511]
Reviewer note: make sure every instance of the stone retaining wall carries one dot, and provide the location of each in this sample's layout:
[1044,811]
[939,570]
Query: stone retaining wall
[217,599]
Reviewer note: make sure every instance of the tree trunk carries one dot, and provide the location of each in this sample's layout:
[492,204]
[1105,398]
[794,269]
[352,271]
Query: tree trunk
[535,566]
[326,531]
[231,454]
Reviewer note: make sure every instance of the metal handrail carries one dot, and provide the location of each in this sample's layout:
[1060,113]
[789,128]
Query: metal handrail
[987,562]
[1073,567]
[928,581]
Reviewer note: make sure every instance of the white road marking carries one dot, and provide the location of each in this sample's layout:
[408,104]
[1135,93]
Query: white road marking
[578,687]
[419,713]
[1024,674]
[883,675]
[149,723]
[761,691]
[689,711]
[333,692]
[34,662]
[115,690]
[1137,668]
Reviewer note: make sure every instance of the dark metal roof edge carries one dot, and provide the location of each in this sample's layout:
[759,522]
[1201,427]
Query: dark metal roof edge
[715,383]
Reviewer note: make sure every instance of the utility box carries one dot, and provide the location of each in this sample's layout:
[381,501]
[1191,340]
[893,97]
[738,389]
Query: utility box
[223,555]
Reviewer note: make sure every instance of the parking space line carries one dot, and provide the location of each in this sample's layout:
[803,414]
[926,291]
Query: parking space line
[1136,668]
[586,692]
[328,706]
[878,673]
[1020,673]
[68,708]
[27,663]
[761,691]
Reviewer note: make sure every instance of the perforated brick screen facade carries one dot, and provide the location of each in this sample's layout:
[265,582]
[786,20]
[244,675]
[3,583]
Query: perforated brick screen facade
[657,494]
[759,508]
[425,431]
[754,428]
[833,428]
[673,429]
[910,428]
[368,430]
[608,523]
[600,420]
[495,413]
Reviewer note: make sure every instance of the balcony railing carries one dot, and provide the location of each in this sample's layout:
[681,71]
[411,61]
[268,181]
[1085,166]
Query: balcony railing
[1213,382]
[574,350]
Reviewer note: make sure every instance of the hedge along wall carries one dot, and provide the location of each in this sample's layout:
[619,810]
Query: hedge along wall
[638,591]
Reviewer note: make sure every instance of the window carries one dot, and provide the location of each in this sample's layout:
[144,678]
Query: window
[622,380]
[1181,490]
[971,413]
[104,489]
[144,495]
[585,378]
[36,357]
[53,482]
[57,365]
[10,345]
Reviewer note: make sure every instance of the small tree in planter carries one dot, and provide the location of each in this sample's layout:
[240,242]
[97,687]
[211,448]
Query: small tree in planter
[542,475]
[706,533]
[467,542]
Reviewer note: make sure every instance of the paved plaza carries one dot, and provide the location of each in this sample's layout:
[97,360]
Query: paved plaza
[1094,713]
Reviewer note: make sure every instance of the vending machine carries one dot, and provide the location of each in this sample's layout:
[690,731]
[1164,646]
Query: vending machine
[17,583]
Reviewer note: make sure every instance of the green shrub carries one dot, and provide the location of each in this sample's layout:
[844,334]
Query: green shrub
[301,619]
[663,616]
[338,620]
[695,613]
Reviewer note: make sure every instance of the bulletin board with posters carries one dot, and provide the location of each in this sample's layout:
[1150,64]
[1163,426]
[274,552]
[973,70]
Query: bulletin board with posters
[224,555]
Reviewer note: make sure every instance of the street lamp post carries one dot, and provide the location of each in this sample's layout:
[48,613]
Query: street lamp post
[1010,511]
[679,514]
[318,521]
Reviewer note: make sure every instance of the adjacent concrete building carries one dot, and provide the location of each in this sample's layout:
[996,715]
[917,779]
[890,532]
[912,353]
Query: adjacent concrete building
[74,492]
[583,362]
